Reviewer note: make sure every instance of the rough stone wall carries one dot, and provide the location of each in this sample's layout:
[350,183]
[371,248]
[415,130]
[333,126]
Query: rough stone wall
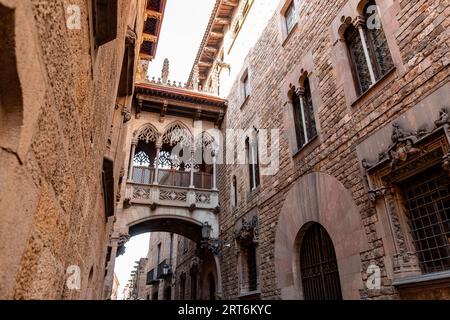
[52,211]
[422,39]
[186,252]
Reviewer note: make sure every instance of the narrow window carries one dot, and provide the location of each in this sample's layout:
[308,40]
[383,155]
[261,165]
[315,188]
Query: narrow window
[183,287]
[380,55]
[252,271]
[290,17]
[305,124]
[234,191]
[246,90]
[194,284]
[368,49]
[158,254]
[253,163]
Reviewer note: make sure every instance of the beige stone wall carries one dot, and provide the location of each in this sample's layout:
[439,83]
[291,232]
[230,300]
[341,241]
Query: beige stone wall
[418,41]
[52,211]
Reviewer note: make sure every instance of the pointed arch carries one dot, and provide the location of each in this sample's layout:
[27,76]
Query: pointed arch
[177,132]
[147,133]
[303,77]
[205,141]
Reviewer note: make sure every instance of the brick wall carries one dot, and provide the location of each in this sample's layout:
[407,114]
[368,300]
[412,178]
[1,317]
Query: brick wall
[422,40]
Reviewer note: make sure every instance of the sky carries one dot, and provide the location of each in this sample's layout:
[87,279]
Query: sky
[183,28]
[179,41]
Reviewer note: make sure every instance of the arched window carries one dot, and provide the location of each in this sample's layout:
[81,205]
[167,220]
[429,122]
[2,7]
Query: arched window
[368,48]
[251,147]
[318,266]
[234,192]
[305,123]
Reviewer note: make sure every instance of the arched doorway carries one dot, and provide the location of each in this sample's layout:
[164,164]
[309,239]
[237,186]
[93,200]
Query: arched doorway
[318,266]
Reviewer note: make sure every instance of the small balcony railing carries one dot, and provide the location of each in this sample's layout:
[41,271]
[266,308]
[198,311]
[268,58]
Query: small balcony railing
[172,178]
[151,277]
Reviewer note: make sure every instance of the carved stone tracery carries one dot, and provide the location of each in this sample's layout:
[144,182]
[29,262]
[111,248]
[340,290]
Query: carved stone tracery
[248,231]
[409,152]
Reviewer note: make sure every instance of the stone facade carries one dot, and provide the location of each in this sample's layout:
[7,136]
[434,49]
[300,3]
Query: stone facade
[330,166]
[325,182]
[61,127]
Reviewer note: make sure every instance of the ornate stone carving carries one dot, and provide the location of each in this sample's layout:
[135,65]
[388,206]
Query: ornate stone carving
[126,113]
[248,230]
[402,145]
[127,203]
[177,135]
[406,263]
[121,241]
[195,77]
[203,198]
[446,162]
[148,134]
[444,118]
[172,195]
[396,224]
[141,193]
[376,194]
[165,71]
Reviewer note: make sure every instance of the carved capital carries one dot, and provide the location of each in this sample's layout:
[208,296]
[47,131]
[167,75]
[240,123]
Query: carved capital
[444,118]
[126,113]
[300,91]
[376,194]
[360,22]
[446,162]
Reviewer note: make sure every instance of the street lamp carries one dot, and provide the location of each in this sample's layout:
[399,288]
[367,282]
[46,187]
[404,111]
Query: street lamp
[213,245]
[206,231]
[166,269]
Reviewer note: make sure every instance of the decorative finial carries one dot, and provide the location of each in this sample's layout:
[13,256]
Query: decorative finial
[215,82]
[165,71]
[195,78]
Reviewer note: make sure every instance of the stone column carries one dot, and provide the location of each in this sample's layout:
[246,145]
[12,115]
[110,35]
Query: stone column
[360,22]
[301,95]
[214,162]
[192,186]
[158,153]
[253,159]
[134,143]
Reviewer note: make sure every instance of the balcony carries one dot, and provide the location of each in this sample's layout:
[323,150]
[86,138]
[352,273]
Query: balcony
[151,277]
[172,188]
[172,178]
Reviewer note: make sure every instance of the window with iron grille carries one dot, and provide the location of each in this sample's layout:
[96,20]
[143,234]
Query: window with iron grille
[318,266]
[426,199]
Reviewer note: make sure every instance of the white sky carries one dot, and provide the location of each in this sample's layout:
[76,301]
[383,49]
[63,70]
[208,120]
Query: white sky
[135,249]
[183,28]
[182,31]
